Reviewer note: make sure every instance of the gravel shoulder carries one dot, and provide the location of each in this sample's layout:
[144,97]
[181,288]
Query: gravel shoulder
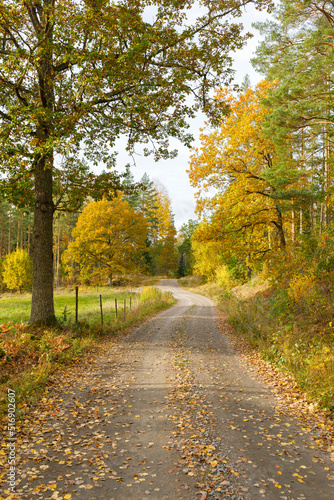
[169,411]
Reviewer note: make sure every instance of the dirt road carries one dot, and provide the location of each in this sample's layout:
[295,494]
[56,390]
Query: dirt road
[169,412]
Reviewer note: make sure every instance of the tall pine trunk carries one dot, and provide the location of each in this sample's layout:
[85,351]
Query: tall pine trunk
[280,230]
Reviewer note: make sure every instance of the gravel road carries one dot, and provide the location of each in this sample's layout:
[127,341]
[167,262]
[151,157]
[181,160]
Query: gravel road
[170,412]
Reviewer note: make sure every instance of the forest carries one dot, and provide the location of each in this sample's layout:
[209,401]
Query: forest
[105,242]
[262,174]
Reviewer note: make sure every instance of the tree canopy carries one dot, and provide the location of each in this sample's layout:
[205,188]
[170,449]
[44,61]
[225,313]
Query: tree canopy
[109,239]
[75,75]
[238,162]
[264,177]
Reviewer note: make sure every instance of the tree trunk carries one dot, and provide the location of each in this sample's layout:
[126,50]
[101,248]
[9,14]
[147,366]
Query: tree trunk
[58,258]
[9,231]
[42,308]
[29,230]
[249,269]
[18,231]
[280,230]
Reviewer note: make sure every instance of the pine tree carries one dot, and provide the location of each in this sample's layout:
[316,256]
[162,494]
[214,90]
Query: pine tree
[297,54]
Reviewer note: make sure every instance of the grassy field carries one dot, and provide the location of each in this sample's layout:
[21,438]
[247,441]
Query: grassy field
[16,307]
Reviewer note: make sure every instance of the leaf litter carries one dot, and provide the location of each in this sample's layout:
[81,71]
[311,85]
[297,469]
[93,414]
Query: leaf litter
[65,448]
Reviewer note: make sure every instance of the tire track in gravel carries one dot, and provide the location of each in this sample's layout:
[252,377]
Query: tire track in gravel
[108,434]
[269,448]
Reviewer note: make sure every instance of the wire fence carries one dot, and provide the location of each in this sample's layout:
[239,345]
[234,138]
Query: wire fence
[112,309]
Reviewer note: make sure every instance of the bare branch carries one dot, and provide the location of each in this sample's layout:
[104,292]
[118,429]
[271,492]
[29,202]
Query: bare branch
[5,116]
[33,16]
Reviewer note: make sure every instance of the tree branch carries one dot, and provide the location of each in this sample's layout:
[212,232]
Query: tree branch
[5,116]
[33,16]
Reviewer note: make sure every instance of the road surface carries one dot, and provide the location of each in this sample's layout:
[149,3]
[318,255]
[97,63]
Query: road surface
[168,411]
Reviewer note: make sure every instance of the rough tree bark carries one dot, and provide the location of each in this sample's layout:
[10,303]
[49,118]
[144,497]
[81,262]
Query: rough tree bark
[42,307]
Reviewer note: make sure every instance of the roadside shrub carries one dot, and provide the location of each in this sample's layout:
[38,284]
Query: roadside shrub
[302,288]
[223,277]
[150,293]
[17,270]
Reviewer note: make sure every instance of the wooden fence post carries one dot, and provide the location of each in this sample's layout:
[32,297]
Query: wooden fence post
[116,308]
[101,309]
[76,303]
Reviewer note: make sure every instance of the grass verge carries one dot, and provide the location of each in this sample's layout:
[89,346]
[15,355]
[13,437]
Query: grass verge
[16,307]
[29,356]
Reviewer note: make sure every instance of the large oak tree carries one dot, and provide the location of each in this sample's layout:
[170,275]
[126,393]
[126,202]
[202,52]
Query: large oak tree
[75,75]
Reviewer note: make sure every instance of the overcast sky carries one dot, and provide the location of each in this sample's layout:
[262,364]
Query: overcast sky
[172,173]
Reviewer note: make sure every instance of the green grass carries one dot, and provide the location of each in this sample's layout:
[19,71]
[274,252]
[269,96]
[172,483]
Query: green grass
[16,308]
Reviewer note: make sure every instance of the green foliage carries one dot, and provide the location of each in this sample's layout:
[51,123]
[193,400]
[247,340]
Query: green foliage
[17,270]
[186,259]
[153,201]
[295,52]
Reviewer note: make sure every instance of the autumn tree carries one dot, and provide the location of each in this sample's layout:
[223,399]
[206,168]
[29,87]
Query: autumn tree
[237,161]
[17,270]
[75,75]
[144,198]
[162,249]
[206,252]
[153,201]
[64,223]
[109,238]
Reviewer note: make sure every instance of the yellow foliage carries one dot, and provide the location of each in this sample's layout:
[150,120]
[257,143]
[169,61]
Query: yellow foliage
[109,238]
[163,250]
[302,287]
[206,257]
[150,293]
[223,277]
[17,270]
[232,165]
